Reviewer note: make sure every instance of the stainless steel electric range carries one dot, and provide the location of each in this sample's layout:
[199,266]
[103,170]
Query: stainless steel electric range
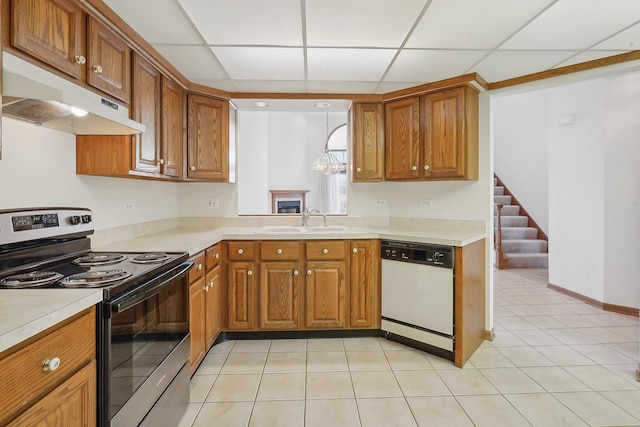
[142,322]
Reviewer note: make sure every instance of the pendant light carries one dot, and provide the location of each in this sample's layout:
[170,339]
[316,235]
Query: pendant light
[328,163]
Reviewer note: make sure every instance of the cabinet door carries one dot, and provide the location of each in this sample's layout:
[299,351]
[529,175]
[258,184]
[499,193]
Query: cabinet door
[197,307]
[71,404]
[207,138]
[279,295]
[364,284]
[213,306]
[241,295]
[402,139]
[146,110]
[444,137]
[52,31]
[325,294]
[172,128]
[109,61]
[368,133]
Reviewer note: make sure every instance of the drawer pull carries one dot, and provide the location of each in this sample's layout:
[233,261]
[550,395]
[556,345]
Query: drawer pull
[279,251]
[325,251]
[216,256]
[309,272]
[199,267]
[51,364]
[240,251]
[249,273]
[355,250]
[295,272]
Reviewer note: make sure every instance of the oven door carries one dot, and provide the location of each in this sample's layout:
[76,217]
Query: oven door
[144,344]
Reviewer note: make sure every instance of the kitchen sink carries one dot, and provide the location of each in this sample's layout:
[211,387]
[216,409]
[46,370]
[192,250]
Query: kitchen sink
[301,229]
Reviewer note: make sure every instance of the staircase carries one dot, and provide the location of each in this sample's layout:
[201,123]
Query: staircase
[523,243]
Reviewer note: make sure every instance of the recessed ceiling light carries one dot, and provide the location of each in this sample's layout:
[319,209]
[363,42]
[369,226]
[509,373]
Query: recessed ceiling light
[261,104]
[321,104]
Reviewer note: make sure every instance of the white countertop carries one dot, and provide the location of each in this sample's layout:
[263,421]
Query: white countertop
[194,240]
[26,312]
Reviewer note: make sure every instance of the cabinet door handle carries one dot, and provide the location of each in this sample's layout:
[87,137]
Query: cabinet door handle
[51,364]
[309,272]
[426,167]
[192,168]
[358,169]
[199,267]
[80,59]
[414,168]
[206,288]
[325,251]
[249,273]
[97,69]
[355,250]
[279,251]
[162,161]
[295,272]
[216,256]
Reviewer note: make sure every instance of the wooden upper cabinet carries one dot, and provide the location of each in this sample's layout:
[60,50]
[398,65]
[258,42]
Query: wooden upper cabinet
[368,134]
[146,110]
[172,128]
[208,138]
[402,139]
[108,61]
[450,138]
[52,31]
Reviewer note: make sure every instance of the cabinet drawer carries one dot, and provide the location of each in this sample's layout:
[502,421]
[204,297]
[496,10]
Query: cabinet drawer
[280,250]
[241,251]
[326,249]
[213,255]
[23,375]
[197,271]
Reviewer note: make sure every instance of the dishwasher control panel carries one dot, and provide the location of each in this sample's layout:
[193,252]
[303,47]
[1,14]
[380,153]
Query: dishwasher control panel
[417,253]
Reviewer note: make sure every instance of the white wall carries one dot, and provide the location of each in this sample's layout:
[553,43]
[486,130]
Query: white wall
[520,147]
[253,167]
[38,169]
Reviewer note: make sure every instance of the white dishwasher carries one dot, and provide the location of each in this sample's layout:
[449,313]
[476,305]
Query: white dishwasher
[418,295]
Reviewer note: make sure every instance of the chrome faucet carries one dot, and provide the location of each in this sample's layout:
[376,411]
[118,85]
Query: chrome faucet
[306,214]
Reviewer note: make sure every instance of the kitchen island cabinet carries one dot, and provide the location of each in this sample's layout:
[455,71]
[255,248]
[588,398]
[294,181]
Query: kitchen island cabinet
[50,379]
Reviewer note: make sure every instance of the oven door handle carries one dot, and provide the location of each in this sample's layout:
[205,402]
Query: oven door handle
[134,297]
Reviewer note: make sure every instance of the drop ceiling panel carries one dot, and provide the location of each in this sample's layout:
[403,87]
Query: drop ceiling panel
[195,62]
[472,24]
[360,23]
[284,86]
[136,14]
[502,65]
[590,55]
[432,65]
[247,22]
[319,86]
[348,64]
[628,39]
[576,24]
[261,63]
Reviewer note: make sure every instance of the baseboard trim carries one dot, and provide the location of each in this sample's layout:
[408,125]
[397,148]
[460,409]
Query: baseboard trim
[489,335]
[631,311]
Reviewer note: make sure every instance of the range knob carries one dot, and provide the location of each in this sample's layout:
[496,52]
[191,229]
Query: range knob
[85,219]
[75,219]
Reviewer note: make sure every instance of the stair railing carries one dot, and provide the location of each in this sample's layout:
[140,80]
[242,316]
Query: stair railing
[502,262]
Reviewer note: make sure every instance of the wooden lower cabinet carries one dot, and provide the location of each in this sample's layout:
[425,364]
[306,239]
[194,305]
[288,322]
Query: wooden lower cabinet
[66,396]
[241,296]
[213,305]
[279,295]
[364,284]
[197,307]
[325,292]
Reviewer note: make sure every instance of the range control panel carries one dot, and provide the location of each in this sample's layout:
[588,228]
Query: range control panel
[417,253]
[22,225]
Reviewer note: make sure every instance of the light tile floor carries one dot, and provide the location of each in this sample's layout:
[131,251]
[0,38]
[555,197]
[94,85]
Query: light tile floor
[555,362]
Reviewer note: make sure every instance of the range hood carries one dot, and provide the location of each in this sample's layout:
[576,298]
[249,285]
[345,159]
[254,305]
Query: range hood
[35,95]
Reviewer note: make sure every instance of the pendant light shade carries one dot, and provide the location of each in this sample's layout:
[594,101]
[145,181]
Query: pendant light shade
[328,164]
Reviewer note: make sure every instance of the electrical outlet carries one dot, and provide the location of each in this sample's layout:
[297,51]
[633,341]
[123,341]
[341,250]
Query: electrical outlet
[213,203]
[128,206]
[426,203]
[381,202]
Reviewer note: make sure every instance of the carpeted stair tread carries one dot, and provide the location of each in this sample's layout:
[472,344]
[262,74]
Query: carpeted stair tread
[528,260]
[519,233]
[524,245]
